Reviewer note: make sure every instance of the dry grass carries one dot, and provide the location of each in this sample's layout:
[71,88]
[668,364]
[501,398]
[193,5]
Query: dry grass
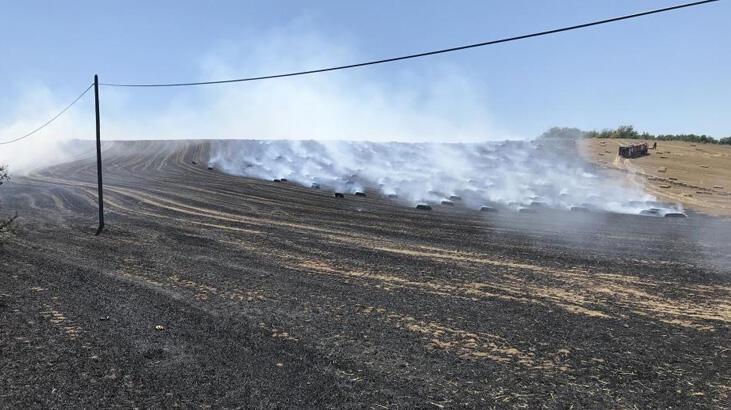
[696,175]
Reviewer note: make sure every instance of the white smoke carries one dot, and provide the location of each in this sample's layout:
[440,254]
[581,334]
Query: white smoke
[400,102]
[426,105]
[514,174]
[51,145]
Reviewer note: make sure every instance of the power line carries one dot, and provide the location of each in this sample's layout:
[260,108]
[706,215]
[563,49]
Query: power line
[49,121]
[425,54]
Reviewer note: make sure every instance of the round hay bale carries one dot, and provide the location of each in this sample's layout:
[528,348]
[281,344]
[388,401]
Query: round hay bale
[650,212]
[277,180]
[455,198]
[358,193]
[423,207]
[447,203]
[194,163]
[283,179]
[315,185]
[675,215]
[210,168]
[392,196]
[339,195]
[487,209]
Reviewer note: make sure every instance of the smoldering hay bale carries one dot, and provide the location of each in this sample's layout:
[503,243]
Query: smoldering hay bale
[339,195]
[359,193]
[210,168]
[426,172]
[486,208]
[423,207]
[447,203]
[392,196]
[675,215]
[650,212]
[315,185]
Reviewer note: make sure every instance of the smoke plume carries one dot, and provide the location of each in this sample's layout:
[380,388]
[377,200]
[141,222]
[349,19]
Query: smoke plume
[514,174]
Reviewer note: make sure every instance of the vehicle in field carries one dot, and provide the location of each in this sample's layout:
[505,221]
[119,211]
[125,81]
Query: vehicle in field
[633,150]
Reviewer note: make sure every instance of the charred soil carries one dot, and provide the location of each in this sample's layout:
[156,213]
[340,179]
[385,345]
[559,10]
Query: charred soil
[213,290]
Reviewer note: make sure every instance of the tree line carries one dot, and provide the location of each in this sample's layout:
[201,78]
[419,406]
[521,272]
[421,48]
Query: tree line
[629,132]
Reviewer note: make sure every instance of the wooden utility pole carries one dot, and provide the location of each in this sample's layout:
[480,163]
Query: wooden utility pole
[98,155]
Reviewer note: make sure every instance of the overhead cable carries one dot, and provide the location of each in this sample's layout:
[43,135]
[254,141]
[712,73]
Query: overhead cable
[418,55]
[47,123]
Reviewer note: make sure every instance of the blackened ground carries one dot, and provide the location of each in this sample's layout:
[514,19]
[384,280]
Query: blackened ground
[213,290]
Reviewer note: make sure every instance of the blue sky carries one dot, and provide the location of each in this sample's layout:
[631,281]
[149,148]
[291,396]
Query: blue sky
[666,73]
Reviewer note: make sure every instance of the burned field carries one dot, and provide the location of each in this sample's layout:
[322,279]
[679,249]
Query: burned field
[211,289]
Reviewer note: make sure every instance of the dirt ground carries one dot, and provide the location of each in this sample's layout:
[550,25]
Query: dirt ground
[695,175]
[210,290]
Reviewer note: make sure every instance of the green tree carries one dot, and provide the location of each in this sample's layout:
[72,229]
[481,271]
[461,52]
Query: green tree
[564,133]
[627,132]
